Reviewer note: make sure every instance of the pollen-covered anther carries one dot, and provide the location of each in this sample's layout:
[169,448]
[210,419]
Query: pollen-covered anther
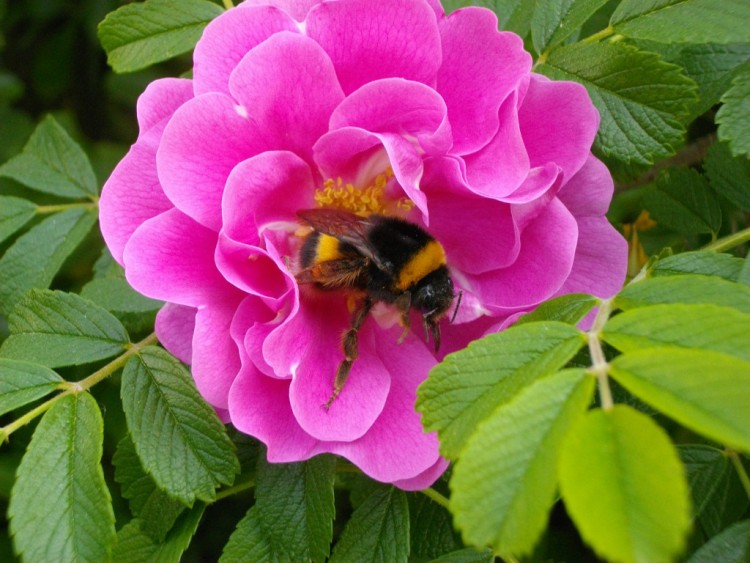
[365,201]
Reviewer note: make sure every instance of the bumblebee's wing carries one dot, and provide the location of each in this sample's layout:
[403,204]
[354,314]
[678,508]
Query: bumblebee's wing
[335,274]
[346,227]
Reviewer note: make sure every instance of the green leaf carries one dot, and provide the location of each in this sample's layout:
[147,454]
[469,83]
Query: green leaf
[135,546]
[178,437]
[503,486]
[512,15]
[54,328]
[708,327]
[683,201]
[705,391]
[14,214]
[378,529]
[140,34]
[730,546]
[685,289]
[155,512]
[682,21]
[249,542]
[553,22]
[699,262]
[53,163]
[641,98]
[569,309]
[116,295]
[296,507]
[733,116]
[469,385]
[38,254]
[431,529]
[22,383]
[624,487]
[60,508]
[729,176]
[718,496]
[467,555]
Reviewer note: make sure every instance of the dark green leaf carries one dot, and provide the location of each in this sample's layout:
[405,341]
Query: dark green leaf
[553,22]
[52,162]
[709,327]
[468,555]
[38,254]
[729,176]
[178,437]
[512,15]
[431,528]
[683,201]
[683,21]
[469,385]
[14,214]
[641,98]
[730,546]
[685,289]
[135,546]
[295,507]
[377,531]
[706,391]
[60,508]
[155,512]
[733,116]
[23,382]
[54,328]
[140,34]
[249,542]
[624,486]
[115,294]
[569,309]
[699,262]
[504,484]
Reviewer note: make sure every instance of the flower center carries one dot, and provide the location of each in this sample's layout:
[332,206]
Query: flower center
[365,201]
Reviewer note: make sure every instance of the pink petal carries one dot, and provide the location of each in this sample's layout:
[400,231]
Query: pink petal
[203,141]
[252,323]
[216,359]
[424,479]
[296,8]
[369,40]
[228,38]
[558,123]
[288,87]
[131,195]
[174,327]
[480,65]
[160,100]
[589,192]
[170,257]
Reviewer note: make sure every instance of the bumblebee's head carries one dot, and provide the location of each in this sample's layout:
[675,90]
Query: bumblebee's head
[432,297]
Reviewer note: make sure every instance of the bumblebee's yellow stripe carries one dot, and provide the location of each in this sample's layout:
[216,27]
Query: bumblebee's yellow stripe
[327,249]
[428,259]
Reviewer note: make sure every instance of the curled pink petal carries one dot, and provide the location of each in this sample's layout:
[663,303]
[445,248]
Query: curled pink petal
[160,100]
[174,327]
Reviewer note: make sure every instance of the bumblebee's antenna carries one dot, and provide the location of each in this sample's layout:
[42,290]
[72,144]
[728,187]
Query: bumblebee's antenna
[458,304]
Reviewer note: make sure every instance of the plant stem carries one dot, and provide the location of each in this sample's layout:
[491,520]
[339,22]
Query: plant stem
[740,468]
[228,4]
[435,496]
[70,388]
[234,489]
[47,209]
[729,242]
[599,35]
[599,365]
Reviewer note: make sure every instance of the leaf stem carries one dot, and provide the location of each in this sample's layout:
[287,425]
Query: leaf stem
[70,388]
[47,209]
[235,489]
[228,4]
[729,242]
[599,365]
[435,496]
[599,35]
[740,468]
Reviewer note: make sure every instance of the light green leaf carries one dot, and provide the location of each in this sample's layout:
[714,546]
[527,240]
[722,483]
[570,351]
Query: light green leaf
[179,439]
[504,484]
[155,512]
[296,507]
[116,295]
[699,262]
[733,116]
[377,531]
[569,309]
[512,15]
[22,383]
[14,214]
[641,98]
[249,542]
[683,201]
[709,327]
[54,328]
[683,21]
[685,289]
[54,163]
[37,255]
[730,546]
[430,529]
[729,176]
[135,546]
[140,34]
[624,486]
[468,555]
[553,22]
[705,391]
[469,385]
[60,508]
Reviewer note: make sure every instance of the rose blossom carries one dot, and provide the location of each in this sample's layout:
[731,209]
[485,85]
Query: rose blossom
[387,106]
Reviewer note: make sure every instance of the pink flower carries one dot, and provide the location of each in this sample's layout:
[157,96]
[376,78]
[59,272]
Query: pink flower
[387,106]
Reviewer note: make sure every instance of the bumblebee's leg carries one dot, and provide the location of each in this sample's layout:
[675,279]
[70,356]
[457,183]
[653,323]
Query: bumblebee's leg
[434,329]
[403,304]
[351,350]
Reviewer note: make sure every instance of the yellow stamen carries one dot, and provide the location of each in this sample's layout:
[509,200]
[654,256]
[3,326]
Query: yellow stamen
[361,201]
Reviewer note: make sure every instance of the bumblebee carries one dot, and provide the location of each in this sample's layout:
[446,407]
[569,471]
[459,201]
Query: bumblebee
[380,259]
